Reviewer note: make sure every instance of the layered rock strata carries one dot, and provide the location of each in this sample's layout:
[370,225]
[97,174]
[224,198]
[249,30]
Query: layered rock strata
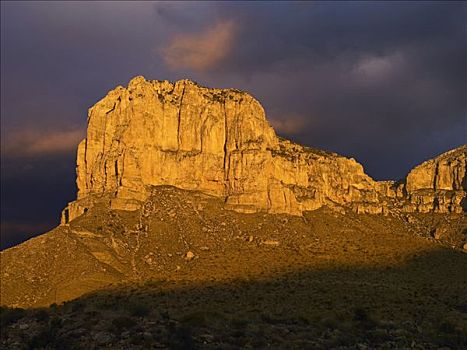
[219,142]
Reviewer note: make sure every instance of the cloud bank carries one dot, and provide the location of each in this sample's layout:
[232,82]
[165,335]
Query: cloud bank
[36,142]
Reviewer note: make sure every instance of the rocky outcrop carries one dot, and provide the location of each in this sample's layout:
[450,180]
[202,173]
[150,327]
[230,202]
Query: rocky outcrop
[158,133]
[219,142]
[439,184]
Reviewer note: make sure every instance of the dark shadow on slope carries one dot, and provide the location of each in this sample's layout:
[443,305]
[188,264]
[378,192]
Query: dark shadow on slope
[464,204]
[422,303]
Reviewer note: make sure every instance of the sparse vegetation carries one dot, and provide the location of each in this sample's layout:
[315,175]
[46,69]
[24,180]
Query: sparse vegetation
[42,315]
[139,309]
[8,316]
[332,281]
[122,323]
[197,318]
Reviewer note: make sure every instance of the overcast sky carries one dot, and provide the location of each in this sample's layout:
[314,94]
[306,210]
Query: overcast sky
[383,82]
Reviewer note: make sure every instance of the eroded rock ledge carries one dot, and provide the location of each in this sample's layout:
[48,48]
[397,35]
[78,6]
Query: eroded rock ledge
[218,141]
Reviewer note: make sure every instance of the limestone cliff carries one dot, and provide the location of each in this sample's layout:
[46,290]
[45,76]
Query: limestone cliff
[439,184]
[219,142]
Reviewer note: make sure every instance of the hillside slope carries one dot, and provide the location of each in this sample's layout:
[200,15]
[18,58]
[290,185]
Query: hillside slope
[184,272]
[106,246]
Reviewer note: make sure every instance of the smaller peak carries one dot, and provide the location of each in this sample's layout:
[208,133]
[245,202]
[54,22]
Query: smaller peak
[459,150]
[136,80]
[187,81]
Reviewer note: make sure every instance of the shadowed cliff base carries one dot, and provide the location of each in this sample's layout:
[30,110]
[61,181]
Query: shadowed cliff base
[420,303]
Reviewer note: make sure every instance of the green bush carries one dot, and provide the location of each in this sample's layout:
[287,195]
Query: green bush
[10,315]
[41,315]
[197,318]
[447,327]
[181,338]
[77,306]
[447,334]
[47,338]
[55,323]
[268,318]
[42,339]
[360,314]
[136,339]
[239,323]
[363,318]
[139,309]
[123,322]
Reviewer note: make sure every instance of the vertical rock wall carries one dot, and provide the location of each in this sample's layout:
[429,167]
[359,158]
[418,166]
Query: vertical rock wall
[218,141]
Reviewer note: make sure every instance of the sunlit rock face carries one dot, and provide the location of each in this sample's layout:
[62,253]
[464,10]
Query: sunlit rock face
[218,141]
[439,184]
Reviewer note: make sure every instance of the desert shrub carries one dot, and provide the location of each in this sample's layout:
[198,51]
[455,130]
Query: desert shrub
[239,339]
[238,333]
[41,315]
[139,309]
[148,340]
[43,339]
[47,338]
[379,336]
[239,323]
[164,314]
[105,302]
[55,323]
[360,314]
[123,322]
[197,318]
[303,320]
[446,334]
[259,342]
[329,323]
[456,340]
[91,317]
[10,315]
[181,339]
[447,327]
[268,318]
[363,319]
[77,306]
[136,339]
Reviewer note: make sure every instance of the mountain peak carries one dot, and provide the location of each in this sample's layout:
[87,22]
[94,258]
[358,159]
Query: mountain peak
[218,141]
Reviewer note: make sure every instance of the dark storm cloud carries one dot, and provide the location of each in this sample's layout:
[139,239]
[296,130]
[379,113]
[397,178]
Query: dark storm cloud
[383,82]
[33,193]
[279,31]
[390,75]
